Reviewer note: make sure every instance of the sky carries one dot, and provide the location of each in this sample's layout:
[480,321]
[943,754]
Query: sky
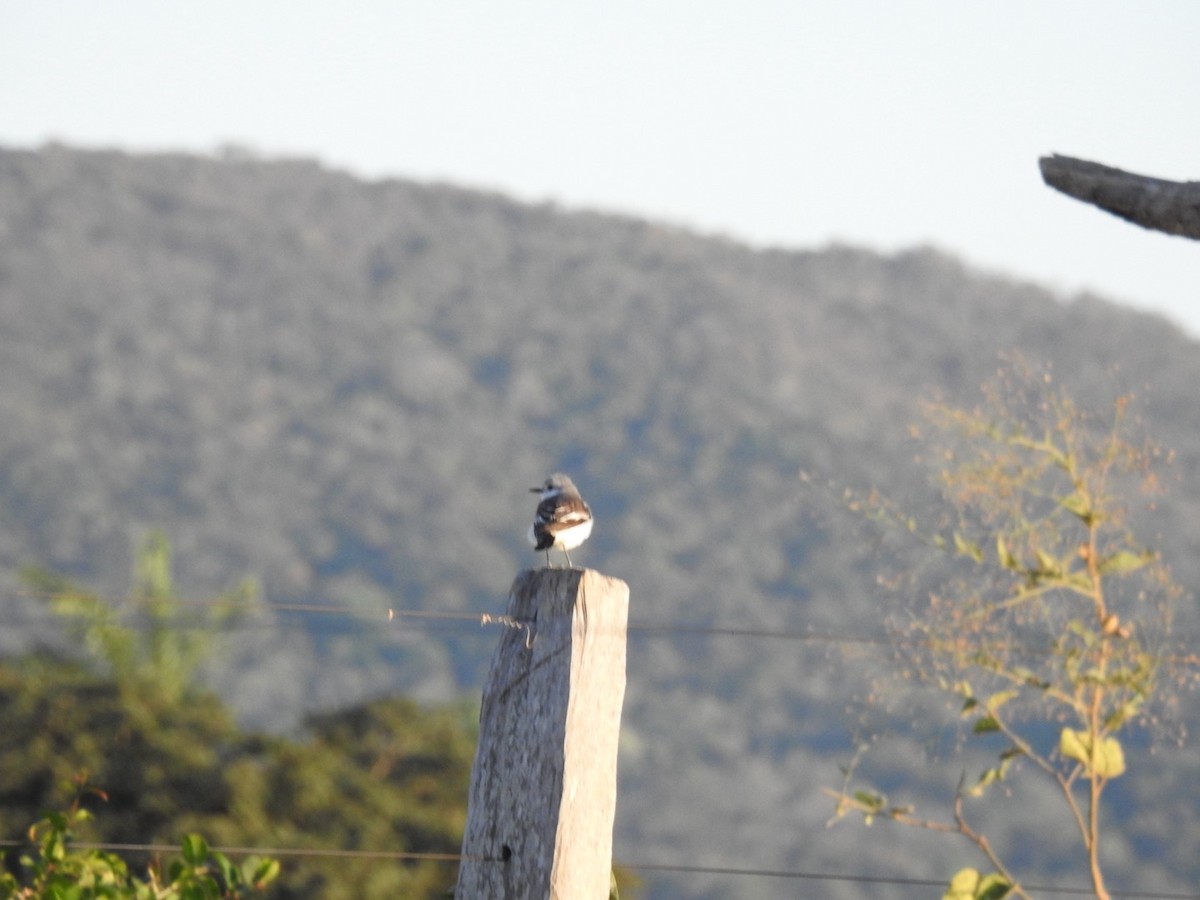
[887,124]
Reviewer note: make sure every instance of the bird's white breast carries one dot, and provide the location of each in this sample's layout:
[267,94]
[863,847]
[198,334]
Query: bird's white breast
[570,538]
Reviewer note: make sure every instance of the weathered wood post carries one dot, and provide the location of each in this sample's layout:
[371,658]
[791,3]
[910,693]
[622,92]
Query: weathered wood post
[544,784]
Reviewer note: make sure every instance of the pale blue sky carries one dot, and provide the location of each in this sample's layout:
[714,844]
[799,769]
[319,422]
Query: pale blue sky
[885,124]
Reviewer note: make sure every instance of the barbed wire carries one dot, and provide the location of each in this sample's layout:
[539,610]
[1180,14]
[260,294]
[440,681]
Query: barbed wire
[399,615]
[294,852]
[672,868]
[427,617]
[667,629]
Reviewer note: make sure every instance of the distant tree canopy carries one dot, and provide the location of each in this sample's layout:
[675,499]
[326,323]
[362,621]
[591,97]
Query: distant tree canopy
[388,776]
[307,377]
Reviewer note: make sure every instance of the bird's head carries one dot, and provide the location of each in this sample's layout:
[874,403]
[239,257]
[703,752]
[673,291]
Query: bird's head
[556,484]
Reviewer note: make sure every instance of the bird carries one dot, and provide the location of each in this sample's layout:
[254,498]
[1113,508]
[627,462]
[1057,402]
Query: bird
[562,519]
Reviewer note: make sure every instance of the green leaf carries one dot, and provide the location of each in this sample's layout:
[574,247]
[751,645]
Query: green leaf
[966,547]
[871,804]
[993,887]
[985,724]
[999,698]
[987,777]
[1071,745]
[968,884]
[260,872]
[1004,555]
[870,799]
[203,890]
[195,850]
[1047,564]
[1124,561]
[996,773]
[1107,759]
[1080,581]
[962,885]
[231,876]
[1079,507]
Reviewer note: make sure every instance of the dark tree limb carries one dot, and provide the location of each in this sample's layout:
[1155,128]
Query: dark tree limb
[1170,206]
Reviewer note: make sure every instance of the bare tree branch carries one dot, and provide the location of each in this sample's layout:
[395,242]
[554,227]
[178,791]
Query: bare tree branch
[1170,206]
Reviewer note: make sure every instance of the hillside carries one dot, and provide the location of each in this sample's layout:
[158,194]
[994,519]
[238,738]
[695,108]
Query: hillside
[345,388]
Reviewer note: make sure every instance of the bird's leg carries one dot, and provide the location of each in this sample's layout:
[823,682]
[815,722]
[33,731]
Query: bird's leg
[568,556]
[547,557]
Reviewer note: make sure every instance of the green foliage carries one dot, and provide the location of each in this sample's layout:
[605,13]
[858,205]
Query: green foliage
[1102,757]
[161,762]
[384,776]
[59,871]
[154,641]
[968,884]
[388,776]
[1063,623]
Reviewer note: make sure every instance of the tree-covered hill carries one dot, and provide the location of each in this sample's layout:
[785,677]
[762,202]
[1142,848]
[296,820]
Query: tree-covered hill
[346,388]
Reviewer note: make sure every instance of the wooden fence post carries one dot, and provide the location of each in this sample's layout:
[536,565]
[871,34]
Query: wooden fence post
[544,784]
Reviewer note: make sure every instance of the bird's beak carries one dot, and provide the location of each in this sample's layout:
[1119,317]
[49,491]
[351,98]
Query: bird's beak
[536,490]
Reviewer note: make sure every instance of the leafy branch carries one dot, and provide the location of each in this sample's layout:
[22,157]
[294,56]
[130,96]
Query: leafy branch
[1051,607]
[160,654]
[56,869]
